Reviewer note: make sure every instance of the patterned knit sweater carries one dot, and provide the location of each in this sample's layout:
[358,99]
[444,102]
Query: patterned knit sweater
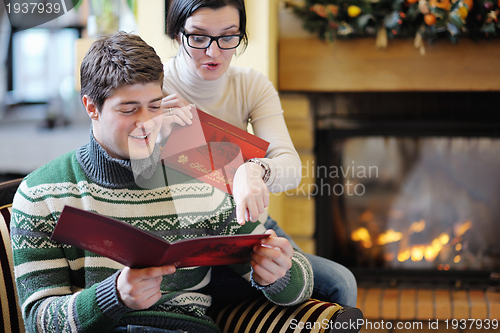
[66,289]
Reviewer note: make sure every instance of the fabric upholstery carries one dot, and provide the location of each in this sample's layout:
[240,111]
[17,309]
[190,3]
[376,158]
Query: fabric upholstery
[11,319]
[255,316]
[260,315]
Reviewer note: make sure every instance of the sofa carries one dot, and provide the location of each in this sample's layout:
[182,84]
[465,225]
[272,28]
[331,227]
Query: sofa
[251,315]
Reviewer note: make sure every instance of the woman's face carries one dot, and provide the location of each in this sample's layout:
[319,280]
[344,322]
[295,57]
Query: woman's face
[211,63]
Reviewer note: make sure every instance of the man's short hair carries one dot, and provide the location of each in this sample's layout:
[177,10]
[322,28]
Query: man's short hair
[117,60]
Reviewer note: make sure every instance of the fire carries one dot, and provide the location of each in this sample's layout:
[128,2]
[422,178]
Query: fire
[367,216]
[404,255]
[416,227]
[417,252]
[462,228]
[444,238]
[363,236]
[427,252]
[390,236]
[431,252]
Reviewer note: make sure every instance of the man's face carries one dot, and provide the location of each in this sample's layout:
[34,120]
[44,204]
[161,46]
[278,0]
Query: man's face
[130,120]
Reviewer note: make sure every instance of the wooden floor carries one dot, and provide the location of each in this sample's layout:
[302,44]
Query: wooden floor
[425,310]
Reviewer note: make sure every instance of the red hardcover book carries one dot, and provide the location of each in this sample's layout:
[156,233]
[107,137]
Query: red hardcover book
[211,150]
[137,248]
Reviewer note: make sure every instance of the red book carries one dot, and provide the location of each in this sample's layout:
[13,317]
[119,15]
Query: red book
[211,150]
[137,248]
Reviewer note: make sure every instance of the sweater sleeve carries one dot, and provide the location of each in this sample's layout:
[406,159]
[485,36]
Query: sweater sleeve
[297,284]
[268,123]
[295,287]
[52,296]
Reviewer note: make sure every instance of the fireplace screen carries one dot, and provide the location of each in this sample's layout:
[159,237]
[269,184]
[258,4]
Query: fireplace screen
[414,202]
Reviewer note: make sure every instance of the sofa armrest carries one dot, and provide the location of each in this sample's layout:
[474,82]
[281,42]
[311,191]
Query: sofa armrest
[260,315]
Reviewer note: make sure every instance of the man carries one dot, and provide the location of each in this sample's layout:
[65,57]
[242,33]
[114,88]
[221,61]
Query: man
[63,288]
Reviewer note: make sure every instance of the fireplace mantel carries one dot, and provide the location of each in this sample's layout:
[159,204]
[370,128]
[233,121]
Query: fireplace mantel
[310,65]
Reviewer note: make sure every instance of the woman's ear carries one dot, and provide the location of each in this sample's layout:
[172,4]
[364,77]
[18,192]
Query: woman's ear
[90,107]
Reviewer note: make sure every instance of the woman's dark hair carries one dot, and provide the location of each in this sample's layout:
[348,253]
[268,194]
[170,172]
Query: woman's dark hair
[181,10]
[117,60]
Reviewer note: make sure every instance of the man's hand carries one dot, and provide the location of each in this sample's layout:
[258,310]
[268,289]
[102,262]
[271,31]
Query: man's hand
[250,193]
[271,259]
[139,289]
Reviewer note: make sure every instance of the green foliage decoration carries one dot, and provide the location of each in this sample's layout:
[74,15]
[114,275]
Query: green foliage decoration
[387,19]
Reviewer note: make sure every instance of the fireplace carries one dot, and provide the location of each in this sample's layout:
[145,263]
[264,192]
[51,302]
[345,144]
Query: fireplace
[407,186]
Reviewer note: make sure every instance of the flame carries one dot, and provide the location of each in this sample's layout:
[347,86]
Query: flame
[457,258]
[462,228]
[367,216]
[389,256]
[404,255]
[417,252]
[458,247]
[362,235]
[417,227]
[432,251]
[390,236]
[427,252]
[444,238]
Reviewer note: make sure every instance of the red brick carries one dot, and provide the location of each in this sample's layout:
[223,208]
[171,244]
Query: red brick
[371,307]
[479,308]
[361,298]
[425,304]
[443,304]
[494,304]
[390,304]
[460,304]
[407,304]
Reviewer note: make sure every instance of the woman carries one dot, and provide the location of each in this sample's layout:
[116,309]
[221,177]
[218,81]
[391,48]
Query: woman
[208,33]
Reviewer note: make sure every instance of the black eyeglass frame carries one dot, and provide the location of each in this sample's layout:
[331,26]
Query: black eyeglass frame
[212,38]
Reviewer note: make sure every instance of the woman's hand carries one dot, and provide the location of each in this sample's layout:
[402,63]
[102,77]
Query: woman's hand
[139,289]
[271,259]
[175,110]
[250,193]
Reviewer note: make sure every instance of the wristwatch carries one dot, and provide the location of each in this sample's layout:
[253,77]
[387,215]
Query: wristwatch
[265,166]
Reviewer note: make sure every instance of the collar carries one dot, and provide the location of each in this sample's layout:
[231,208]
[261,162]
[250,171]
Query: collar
[110,172]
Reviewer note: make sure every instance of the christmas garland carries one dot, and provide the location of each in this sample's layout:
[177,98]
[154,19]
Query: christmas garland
[386,19]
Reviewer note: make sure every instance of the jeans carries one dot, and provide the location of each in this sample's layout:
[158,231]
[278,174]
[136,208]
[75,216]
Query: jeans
[332,282]
[142,329]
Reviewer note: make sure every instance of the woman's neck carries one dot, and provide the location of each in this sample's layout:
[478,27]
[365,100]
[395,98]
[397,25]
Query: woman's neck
[195,84]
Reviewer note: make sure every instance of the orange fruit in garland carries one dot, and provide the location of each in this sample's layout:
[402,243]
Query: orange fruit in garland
[463,12]
[414,1]
[430,19]
[443,4]
[353,11]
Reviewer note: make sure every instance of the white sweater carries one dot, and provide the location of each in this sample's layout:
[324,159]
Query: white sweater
[240,96]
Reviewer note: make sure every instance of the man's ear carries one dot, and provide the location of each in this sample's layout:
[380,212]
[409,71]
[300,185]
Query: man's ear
[90,107]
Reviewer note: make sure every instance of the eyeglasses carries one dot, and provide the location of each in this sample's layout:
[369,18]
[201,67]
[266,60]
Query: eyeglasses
[204,41]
